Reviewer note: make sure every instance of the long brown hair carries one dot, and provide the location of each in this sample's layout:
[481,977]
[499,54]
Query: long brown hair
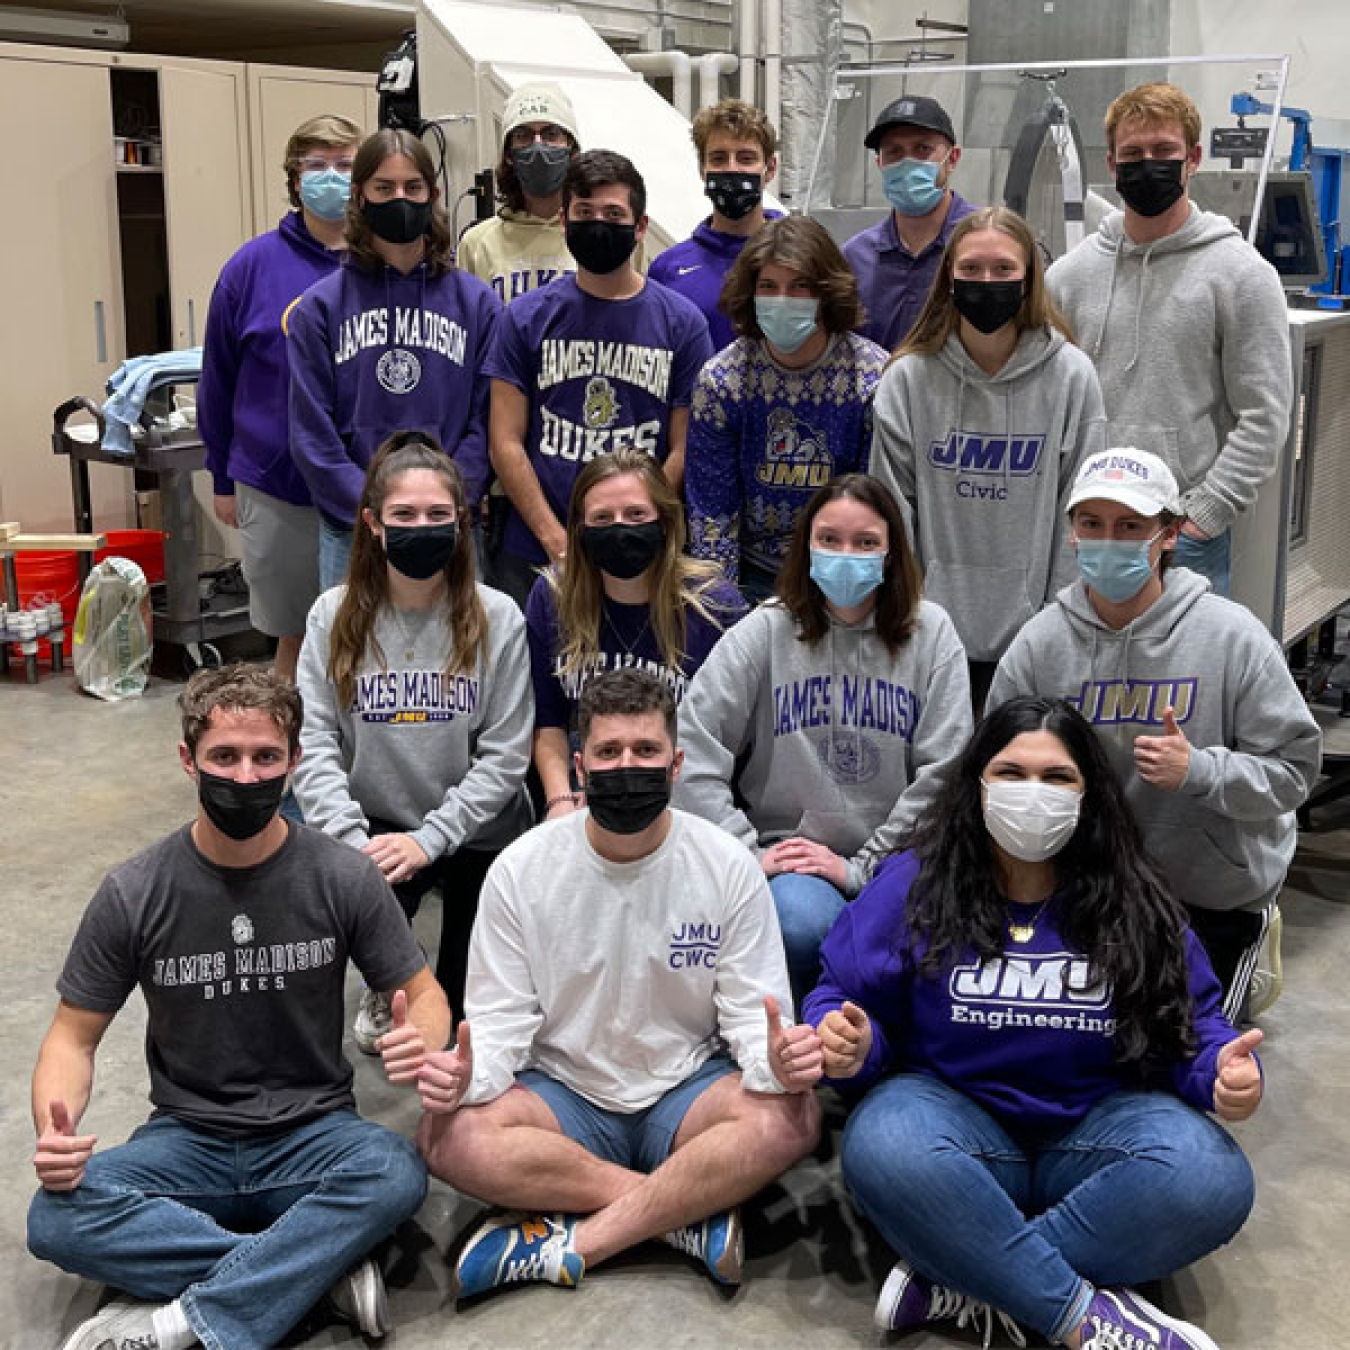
[360,238]
[807,247]
[897,611]
[678,583]
[368,577]
[937,319]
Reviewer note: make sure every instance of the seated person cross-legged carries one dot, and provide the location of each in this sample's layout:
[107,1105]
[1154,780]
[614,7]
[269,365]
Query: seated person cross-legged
[255,1186]
[836,702]
[625,1071]
[1039,1036]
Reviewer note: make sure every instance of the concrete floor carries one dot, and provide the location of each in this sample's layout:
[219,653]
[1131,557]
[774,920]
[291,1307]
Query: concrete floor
[86,784]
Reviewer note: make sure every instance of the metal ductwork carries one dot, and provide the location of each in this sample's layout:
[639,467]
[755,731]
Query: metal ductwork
[801,60]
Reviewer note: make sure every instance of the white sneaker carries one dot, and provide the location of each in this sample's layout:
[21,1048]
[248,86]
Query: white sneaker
[373,1020]
[359,1296]
[122,1325]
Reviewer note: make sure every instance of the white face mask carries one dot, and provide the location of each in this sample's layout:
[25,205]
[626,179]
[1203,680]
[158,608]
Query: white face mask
[1030,820]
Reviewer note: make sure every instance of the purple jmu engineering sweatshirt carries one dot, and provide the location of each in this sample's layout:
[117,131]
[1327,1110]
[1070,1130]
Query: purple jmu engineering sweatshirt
[373,353]
[241,397]
[1025,1035]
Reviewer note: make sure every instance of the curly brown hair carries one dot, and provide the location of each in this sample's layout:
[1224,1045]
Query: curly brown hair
[806,246]
[360,238]
[897,611]
[240,687]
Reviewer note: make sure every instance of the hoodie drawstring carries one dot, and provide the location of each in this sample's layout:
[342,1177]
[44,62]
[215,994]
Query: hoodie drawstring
[1110,296]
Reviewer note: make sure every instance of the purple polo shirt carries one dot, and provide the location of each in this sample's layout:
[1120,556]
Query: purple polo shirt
[892,282]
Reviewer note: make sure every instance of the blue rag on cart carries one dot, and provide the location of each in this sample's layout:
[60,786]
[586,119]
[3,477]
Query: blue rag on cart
[133,381]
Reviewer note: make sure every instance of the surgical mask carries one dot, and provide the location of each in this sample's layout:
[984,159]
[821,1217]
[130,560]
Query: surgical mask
[1032,821]
[624,551]
[787,321]
[420,551]
[847,579]
[600,246]
[541,168]
[239,810]
[399,221]
[988,305]
[1114,568]
[911,185]
[1149,186]
[325,193]
[734,194]
[627,801]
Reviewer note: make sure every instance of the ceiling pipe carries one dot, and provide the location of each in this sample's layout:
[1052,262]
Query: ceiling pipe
[711,66]
[748,45]
[772,33]
[678,65]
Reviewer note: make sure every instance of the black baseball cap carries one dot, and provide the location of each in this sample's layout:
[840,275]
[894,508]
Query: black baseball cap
[914,110]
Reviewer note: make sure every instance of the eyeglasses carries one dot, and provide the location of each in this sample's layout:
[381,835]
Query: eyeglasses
[343,165]
[524,137]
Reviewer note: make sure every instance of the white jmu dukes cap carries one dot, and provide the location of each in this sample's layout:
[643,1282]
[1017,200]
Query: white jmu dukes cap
[1134,478]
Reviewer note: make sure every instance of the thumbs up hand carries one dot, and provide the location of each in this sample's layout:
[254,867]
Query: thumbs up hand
[62,1155]
[404,1048]
[444,1078]
[794,1052]
[1237,1083]
[1164,760]
[846,1038]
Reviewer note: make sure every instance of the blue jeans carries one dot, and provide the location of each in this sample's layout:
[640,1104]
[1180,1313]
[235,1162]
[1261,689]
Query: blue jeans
[335,548]
[1141,1186]
[1212,558]
[807,908]
[248,1233]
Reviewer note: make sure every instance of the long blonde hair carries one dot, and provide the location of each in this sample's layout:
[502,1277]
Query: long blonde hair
[678,583]
[937,319]
[368,576]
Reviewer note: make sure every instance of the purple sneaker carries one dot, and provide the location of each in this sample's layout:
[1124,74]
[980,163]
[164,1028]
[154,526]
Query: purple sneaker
[1118,1319]
[909,1300]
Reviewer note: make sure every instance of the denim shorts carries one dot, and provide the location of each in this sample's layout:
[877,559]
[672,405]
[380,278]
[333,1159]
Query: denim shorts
[639,1140]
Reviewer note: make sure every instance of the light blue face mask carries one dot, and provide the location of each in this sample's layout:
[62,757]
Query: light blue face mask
[1116,569]
[326,193]
[911,185]
[787,321]
[847,579]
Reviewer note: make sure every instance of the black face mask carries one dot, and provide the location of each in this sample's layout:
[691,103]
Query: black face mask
[398,221]
[420,551]
[624,551]
[600,246]
[1149,186]
[239,810]
[987,304]
[626,801]
[541,168]
[735,195]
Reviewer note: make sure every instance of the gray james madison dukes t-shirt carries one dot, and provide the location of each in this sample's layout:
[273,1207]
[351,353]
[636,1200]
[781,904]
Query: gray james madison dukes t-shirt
[242,971]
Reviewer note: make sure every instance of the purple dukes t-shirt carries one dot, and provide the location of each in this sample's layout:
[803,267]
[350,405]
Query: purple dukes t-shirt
[599,374]
[627,639]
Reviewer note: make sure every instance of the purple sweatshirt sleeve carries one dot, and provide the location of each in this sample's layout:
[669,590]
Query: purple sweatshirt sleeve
[551,706]
[861,963]
[472,452]
[712,472]
[334,479]
[215,388]
[1193,1079]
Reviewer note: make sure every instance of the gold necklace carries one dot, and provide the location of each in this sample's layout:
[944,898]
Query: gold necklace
[1024,932]
[410,637]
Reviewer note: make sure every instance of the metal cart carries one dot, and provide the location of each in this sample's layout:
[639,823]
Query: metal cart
[167,460]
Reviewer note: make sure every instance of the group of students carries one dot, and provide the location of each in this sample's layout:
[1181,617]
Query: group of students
[1020,941]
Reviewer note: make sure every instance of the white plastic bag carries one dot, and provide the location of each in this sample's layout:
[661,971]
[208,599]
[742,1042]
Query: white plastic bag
[112,631]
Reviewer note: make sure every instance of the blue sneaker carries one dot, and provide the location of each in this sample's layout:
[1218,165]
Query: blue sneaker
[1118,1319]
[515,1249]
[909,1300]
[717,1241]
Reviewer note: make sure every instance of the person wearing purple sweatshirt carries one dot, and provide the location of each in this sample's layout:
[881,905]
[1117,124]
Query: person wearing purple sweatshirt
[1039,1036]
[392,341]
[737,156]
[241,397]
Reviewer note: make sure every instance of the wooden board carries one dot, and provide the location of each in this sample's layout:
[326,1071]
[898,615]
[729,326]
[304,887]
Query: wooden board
[29,543]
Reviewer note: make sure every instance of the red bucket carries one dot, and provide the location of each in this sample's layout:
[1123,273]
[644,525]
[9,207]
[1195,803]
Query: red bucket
[47,576]
[143,547]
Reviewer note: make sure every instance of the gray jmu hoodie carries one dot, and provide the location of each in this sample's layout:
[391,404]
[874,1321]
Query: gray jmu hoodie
[1190,336]
[444,757]
[985,463]
[1225,838]
[841,736]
